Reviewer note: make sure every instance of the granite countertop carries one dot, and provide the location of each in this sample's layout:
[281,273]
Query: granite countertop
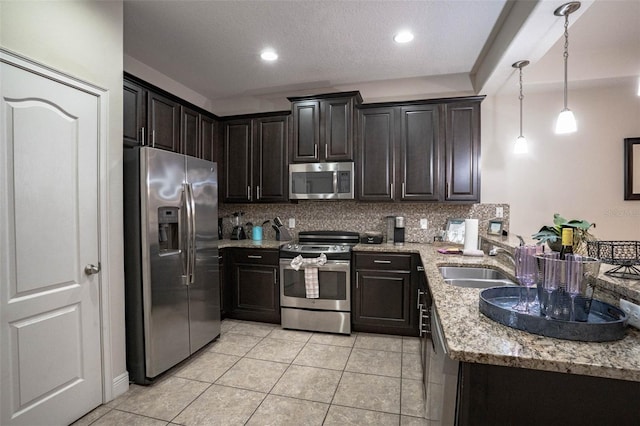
[472,337]
[264,244]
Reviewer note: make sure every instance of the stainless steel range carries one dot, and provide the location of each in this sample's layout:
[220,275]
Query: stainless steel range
[315,293]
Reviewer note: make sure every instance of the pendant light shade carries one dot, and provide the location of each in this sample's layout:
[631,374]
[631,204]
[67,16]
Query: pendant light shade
[521,146]
[566,121]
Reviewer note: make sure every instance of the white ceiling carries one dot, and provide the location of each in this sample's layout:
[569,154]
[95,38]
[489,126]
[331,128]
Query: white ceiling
[460,47]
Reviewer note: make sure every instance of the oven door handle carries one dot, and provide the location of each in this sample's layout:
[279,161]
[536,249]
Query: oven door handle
[331,265]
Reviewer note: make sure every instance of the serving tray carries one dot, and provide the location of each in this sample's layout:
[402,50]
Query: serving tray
[605,322]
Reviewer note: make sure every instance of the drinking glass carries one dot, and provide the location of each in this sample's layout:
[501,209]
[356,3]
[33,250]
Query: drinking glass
[550,282]
[574,276]
[526,274]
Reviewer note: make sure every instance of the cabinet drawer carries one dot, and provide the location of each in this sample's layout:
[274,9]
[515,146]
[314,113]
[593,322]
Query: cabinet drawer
[255,256]
[386,261]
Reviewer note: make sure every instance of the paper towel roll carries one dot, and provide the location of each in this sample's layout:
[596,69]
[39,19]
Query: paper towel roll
[471,234]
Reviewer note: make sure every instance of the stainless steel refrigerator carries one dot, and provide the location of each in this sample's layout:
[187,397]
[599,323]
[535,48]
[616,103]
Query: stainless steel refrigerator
[172,286]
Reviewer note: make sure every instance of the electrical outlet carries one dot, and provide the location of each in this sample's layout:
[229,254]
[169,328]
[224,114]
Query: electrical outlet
[499,212]
[292,222]
[424,224]
[633,311]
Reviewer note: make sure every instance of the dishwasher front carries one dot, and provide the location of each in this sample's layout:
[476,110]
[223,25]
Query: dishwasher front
[441,378]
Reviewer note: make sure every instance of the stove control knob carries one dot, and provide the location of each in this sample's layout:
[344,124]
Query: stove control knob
[288,246]
[296,246]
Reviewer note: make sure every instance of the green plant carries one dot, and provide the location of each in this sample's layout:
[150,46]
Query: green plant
[552,234]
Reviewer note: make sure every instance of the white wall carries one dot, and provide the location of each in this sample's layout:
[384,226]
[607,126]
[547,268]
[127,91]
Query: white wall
[83,39]
[155,77]
[578,175]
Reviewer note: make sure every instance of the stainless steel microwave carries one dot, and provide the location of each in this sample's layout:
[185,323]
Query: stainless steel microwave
[321,181]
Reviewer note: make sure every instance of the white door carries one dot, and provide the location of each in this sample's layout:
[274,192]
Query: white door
[50,353]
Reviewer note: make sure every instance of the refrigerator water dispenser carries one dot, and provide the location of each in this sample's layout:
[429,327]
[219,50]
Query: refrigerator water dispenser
[168,235]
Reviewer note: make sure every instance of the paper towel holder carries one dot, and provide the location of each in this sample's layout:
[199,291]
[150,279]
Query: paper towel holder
[495,227]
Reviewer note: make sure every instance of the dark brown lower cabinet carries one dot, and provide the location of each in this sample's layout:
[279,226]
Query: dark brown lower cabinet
[384,294]
[253,285]
[497,395]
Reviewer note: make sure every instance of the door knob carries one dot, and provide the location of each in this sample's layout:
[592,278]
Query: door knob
[91,269]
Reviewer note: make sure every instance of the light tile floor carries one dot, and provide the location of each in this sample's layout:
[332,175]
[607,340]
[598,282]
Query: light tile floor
[260,374]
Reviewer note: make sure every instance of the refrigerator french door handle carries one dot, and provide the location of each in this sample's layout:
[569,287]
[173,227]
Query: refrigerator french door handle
[192,235]
[187,207]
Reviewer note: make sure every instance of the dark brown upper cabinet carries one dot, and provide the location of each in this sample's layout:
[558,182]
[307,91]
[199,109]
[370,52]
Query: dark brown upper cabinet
[255,165]
[156,118]
[377,137]
[419,151]
[462,151]
[238,160]
[323,127]
[271,140]
[399,149]
[163,122]
[190,135]
[208,133]
[134,107]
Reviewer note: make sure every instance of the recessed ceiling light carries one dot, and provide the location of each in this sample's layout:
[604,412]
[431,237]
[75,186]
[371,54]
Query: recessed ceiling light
[403,37]
[269,55]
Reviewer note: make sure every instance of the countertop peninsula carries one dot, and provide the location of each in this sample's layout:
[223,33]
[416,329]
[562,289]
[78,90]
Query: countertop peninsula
[472,337]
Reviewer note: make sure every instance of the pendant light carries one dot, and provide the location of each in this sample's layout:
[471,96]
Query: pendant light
[521,146]
[566,121]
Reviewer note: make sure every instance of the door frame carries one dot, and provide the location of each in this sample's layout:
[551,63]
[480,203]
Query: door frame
[109,383]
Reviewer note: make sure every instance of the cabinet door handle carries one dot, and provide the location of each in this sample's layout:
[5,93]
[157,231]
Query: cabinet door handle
[258,192]
[392,196]
[420,293]
[420,269]
[326,151]
[403,190]
[254,256]
[249,192]
[386,262]
[153,138]
[142,136]
[315,150]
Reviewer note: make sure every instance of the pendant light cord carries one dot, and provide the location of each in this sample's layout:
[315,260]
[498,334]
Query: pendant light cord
[566,59]
[521,97]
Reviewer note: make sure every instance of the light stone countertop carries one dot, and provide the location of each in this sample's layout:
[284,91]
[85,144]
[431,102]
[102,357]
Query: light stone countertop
[264,244]
[472,337]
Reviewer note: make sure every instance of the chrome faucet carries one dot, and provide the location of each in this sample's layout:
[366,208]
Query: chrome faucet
[499,250]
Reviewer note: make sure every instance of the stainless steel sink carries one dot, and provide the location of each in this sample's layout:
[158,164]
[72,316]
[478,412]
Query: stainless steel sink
[470,277]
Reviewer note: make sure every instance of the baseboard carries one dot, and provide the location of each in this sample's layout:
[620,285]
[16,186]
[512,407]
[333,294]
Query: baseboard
[120,384]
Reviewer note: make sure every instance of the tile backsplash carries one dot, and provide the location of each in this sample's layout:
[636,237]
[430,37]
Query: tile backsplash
[362,217]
